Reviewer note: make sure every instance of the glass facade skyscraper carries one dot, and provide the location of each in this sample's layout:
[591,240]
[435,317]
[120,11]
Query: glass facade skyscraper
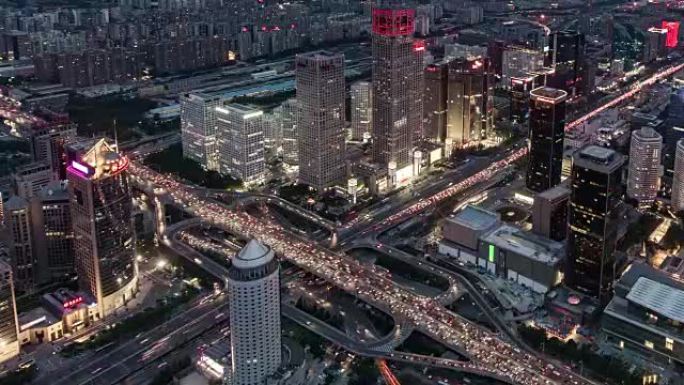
[546,133]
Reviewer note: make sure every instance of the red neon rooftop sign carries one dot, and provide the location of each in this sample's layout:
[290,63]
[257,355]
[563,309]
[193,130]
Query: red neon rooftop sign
[393,22]
[672,28]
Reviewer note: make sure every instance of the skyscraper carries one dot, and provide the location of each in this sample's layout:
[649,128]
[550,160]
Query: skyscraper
[53,235]
[288,121]
[20,242]
[435,101]
[101,206]
[254,295]
[240,138]
[550,213]
[643,180]
[198,128]
[469,101]
[361,109]
[595,208]
[546,133]
[520,97]
[678,178]
[397,73]
[48,142]
[9,325]
[320,127]
[655,44]
[566,56]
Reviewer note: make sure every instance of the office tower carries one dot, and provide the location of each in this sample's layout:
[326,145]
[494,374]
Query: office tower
[643,180]
[677,178]
[198,128]
[550,213]
[9,324]
[595,209]
[518,62]
[469,101]
[655,44]
[566,56]
[240,138]
[361,109]
[288,118]
[435,101]
[546,133]
[31,178]
[520,97]
[20,242]
[273,133]
[320,126]
[101,206]
[47,145]
[254,296]
[53,235]
[397,73]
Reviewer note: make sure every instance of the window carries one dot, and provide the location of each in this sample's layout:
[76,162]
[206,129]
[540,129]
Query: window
[669,344]
[621,344]
[648,344]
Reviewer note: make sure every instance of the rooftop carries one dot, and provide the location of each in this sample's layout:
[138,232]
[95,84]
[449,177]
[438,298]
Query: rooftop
[548,94]
[554,193]
[530,245]
[598,158]
[662,299]
[254,254]
[475,217]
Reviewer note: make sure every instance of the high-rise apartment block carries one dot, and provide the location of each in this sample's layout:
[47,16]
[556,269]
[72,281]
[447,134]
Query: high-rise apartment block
[643,178]
[546,133]
[361,109]
[254,295]
[241,143]
[198,128]
[677,178]
[320,126]
[595,209]
[397,74]
[104,239]
[9,324]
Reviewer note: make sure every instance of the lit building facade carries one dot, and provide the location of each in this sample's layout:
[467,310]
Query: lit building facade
[520,97]
[435,101]
[361,109]
[9,330]
[397,78]
[320,127]
[53,236]
[48,144]
[198,128]
[20,242]
[566,56]
[288,122]
[645,151]
[241,143]
[519,61]
[678,178]
[595,208]
[104,239]
[469,101]
[546,133]
[254,296]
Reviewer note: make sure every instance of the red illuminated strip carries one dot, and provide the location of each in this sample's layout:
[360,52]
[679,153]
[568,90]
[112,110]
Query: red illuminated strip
[672,27]
[393,22]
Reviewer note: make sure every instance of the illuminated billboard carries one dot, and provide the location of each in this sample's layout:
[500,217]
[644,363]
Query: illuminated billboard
[672,28]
